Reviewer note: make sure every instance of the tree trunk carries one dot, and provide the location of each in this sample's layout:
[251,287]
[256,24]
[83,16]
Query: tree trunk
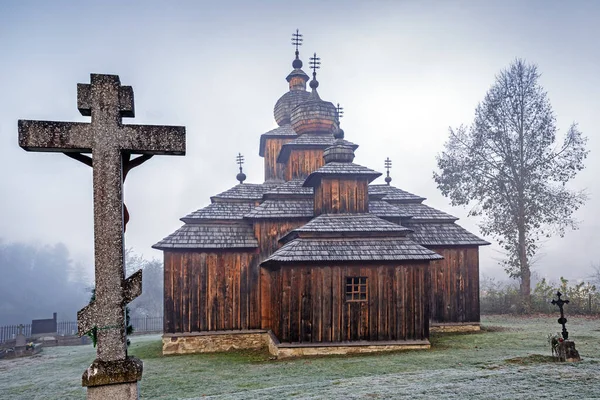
[525,272]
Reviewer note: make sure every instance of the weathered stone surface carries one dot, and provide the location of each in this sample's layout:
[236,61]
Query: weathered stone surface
[372,347]
[111,144]
[567,351]
[120,391]
[212,342]
[112,372]
[455,327]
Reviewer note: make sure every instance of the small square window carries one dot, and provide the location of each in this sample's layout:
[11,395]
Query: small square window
[356,289]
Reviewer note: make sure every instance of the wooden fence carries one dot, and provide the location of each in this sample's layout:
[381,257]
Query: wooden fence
[69,328]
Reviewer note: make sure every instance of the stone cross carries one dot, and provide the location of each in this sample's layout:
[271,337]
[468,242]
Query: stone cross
[562,320]
[111,143]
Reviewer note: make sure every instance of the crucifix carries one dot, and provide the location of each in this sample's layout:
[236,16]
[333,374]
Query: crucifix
[562,320]
[111,145]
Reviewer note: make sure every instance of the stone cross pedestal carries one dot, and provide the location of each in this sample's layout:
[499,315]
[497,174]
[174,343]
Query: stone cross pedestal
[113,374]
[20,340]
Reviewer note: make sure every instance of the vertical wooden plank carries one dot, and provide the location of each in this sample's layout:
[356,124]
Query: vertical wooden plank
[254,294]
[265,299]
[364,306]
[177,293]
[317,304]
[336,294]
[244,303]
[285,316]
[193,277]
[373,301]
[398,290]
[294,305]
[212,292]
[306,306]
[203,319]
[328,300]
[380,303]
[391,299]
[335,195]
[169,325]
[418,307]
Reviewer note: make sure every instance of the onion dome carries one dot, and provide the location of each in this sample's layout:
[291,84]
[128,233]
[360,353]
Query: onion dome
[297,82]
[314,115]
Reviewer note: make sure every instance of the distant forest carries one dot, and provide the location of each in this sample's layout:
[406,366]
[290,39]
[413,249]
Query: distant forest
[37,280]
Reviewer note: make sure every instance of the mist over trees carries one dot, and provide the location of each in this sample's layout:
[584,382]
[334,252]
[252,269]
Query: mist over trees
[150,302]
[509,165]
[37,280]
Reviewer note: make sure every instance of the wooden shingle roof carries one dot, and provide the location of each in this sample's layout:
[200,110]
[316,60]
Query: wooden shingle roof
[290,189]
[219,211]
[384,209]
[393,194]
[283,131]
[319,141]
[340,169]
[346,225]
[351,249]
[443,234]
[244,191]
[269,209]
[422,212]
[304,208]
[209,236]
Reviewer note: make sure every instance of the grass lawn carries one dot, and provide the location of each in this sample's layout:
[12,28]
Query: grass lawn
[507,360]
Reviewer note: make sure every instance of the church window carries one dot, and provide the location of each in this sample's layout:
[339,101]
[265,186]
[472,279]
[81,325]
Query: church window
[356,289]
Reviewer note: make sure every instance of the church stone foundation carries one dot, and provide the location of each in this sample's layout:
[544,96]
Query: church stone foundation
[212,342]
[455,327]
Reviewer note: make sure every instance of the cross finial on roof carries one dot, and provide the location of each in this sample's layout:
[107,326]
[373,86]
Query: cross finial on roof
[339,111]
[388,166]
[297,41]
[315,64]
[240,160]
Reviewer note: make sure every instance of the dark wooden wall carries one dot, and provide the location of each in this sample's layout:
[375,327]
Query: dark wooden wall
[308,303]
[274,170]
[455,285]
[268,232]
[303,162]
[211,291]
[341,195]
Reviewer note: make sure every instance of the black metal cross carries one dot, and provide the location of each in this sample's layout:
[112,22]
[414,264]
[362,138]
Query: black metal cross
[240,160]
[339,111]
[388,166]
[562,320]
[315,64]
[297,40]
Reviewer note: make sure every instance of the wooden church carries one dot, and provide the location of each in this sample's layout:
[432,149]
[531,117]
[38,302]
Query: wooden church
[316,259]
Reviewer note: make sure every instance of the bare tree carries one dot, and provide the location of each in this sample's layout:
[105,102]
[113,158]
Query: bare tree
[508,165]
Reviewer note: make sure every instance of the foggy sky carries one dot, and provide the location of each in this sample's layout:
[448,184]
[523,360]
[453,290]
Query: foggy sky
[404,71]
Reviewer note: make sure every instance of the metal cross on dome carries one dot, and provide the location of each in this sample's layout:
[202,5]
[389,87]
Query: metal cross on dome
[297,40]
[339,111]
[315,64]
[388,166]
[240,160]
